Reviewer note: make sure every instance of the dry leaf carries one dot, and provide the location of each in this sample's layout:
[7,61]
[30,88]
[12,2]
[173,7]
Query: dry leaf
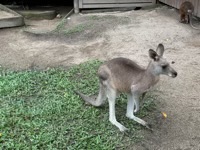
[164,115]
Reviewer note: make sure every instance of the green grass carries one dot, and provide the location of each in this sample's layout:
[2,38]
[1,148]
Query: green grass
[60,25]
[39,110]
[76,29]
[60,28]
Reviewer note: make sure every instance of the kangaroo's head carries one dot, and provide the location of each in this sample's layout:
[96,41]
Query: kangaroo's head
[160,65]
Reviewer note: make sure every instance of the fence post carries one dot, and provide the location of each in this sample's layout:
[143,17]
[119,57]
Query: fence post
[154,1]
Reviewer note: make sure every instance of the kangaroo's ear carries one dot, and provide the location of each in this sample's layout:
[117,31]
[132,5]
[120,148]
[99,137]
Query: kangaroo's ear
[153,55]
[160,49]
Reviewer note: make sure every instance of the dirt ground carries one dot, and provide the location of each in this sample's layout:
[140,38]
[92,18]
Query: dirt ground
[129,34]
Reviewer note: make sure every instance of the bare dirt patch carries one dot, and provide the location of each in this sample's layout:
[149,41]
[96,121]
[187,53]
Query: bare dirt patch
[129,34]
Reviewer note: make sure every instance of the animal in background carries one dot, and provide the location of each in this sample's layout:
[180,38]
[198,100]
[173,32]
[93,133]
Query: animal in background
[186,12]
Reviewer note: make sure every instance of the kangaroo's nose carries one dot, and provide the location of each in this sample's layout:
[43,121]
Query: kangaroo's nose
[175,74]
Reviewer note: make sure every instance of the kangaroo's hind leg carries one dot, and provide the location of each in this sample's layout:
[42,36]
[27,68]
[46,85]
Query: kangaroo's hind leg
[111,94]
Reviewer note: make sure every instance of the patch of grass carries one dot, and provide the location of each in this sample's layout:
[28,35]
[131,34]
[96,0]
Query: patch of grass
[91,23]
[76,29]
[70,30]
[60,28]
[39,110]
[60,25]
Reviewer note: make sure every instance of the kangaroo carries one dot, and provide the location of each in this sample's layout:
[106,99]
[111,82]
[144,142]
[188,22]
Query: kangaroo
[124,75]
[186,12]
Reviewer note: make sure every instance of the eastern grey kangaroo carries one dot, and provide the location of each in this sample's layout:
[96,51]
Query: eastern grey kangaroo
[124,75]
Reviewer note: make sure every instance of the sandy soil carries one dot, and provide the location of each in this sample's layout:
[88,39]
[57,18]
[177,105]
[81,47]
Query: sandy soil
[142,30]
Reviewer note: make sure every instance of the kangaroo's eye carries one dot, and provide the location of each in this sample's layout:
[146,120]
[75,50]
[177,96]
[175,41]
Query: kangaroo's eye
[164,67]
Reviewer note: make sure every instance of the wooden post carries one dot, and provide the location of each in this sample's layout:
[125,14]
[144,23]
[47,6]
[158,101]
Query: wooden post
[76,6]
